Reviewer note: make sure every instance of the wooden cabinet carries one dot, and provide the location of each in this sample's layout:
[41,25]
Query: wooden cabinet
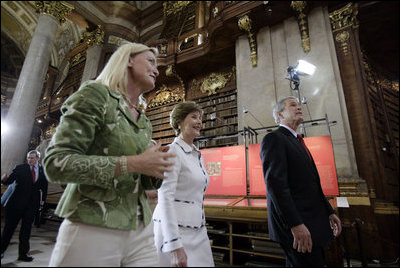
[239,236]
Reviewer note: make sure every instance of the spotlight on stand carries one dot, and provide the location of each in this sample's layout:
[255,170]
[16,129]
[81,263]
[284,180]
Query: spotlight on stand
[301,68]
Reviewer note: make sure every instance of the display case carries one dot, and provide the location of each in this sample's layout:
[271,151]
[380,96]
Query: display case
[238,232]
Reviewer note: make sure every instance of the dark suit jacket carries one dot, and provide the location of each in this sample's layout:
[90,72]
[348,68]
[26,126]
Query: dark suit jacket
[25,192]
[294,193]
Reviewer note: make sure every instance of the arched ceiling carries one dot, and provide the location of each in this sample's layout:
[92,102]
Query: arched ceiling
[19,19]
[378,22]
[12,57]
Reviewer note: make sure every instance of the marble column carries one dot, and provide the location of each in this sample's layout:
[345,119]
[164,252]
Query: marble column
[21,115]
[95,42]
[260,87]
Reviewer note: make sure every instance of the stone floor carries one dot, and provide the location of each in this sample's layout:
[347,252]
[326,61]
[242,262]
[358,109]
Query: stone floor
[41,243]
[43,239]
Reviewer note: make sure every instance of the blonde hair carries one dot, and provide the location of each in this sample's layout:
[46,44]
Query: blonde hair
[115,73]
[179,113]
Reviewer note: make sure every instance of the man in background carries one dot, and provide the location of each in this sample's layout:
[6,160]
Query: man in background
[29,192]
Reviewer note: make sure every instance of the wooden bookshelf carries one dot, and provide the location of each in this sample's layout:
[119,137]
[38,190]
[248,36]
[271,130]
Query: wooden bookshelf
[239,237]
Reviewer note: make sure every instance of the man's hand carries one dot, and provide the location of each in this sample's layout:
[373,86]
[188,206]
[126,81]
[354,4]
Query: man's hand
[302,238]
[336,224]
[4,177]
[178,258]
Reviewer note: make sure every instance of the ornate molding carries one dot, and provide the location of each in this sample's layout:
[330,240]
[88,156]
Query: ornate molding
[116,40]
[372,76]
[166,95]
[344,17]
[49,132]
[3,99]
[215,81]
[94,38]
[342,38]
[77,58]
[244,24]
[174,7]
[299,7]
[57,9]
[171,72]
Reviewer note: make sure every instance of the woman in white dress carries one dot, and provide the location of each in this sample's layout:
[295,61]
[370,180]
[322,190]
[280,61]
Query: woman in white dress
[179,222]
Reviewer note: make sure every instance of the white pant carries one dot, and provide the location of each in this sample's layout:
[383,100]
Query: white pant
[80,244]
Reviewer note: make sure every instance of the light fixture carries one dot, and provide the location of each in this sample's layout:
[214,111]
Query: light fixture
[302,68]
[305,68]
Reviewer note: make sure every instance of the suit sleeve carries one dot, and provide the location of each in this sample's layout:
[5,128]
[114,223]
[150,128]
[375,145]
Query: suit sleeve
[273,155]
[166,197]
[16,173]
[44,188]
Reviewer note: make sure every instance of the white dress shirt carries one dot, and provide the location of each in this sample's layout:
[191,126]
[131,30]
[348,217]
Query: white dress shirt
[290,129]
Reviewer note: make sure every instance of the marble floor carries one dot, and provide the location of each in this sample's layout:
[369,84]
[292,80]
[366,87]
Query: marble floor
[42,242]
[43,239]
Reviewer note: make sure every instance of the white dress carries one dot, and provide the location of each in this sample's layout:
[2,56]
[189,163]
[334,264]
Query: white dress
[179,219]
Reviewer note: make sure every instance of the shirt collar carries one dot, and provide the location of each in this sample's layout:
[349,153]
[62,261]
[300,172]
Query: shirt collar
[185,147]
[35,166]
[290,129]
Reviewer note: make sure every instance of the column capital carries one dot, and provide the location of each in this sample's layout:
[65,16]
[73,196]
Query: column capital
[245,24]
[299,7]
[344,17]
[57,9]
[94,38]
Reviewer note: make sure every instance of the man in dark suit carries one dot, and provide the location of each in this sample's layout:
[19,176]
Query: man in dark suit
[300,217]
[29,193]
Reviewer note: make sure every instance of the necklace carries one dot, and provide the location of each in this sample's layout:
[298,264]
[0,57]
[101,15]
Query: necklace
[130,104]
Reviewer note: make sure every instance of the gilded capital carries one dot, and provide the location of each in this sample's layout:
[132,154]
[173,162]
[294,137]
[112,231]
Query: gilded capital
[57,9]
[95,37]
[174,7]
[299,7]
[342,38]
[344,17]
[244,24]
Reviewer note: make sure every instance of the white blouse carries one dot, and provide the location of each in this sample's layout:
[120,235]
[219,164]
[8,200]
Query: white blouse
[181,195]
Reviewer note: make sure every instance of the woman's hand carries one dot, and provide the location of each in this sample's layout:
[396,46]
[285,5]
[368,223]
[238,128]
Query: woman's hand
[153,162]
[179,258]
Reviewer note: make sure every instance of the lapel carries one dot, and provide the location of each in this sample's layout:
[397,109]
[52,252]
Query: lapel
[40,172]
[124,108]
[297,145]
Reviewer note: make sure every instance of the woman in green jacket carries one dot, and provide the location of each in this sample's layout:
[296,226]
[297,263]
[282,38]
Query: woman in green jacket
[102,149]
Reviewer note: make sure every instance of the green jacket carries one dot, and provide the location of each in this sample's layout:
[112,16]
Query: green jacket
[95,128]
